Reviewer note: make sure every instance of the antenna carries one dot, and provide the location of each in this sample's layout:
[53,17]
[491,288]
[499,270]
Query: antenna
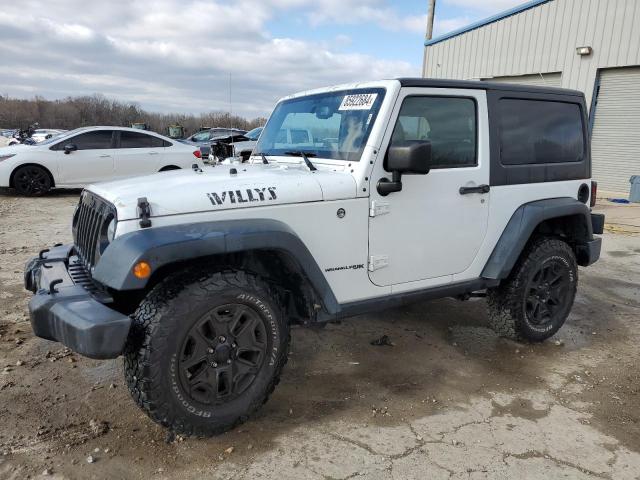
[233,149]
[230,105]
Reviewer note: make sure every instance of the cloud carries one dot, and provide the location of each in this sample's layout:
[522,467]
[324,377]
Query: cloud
[486,6]
[353,12]
[442,26]
[178,55]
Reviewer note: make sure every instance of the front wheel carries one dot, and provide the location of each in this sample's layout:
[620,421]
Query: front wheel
[205,352]
[535,300]
[32,181]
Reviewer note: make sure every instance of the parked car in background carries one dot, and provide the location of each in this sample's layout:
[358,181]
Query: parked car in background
[6,136]
[205,137]
[42,134]
[242,150]
[88,155]
[221,148]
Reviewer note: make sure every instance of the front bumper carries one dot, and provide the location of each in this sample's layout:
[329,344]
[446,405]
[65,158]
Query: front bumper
[65,311]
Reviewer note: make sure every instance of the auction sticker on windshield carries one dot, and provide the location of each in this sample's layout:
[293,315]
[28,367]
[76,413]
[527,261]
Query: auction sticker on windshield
[361,101]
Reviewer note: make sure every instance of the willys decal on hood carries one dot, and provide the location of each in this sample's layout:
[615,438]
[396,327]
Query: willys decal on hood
[223,188]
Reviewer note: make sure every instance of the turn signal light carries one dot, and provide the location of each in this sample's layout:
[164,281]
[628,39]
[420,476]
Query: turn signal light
[142,270]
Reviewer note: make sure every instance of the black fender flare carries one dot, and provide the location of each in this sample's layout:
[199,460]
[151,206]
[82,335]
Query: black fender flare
[522,224]
[162,246]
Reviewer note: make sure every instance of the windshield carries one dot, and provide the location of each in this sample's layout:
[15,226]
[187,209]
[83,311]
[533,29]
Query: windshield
[253,134]
[201,137]
[58,136]
[332,125]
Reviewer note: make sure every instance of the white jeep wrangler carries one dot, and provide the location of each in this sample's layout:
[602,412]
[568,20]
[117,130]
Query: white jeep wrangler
[404,190]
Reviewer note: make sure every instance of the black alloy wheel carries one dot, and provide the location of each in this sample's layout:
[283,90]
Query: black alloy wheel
[222,354]
[534,301]
[31,181]
[547,293]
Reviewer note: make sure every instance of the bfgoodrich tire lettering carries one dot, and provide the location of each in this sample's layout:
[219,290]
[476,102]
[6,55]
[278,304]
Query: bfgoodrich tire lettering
[162,363]
[535,300]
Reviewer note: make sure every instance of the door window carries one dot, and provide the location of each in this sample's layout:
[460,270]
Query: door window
[449,123]
[139,140]
[96,140]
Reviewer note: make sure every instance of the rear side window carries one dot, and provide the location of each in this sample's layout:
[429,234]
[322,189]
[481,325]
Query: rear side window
[97,140]
[540,132]
[139,140]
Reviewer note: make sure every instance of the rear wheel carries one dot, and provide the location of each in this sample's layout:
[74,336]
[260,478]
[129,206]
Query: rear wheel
[205,353]
[32,181]
[535,300]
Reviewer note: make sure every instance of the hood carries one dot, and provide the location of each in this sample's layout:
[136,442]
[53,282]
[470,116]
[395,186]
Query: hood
[245,145]
[216,188]
[13,149]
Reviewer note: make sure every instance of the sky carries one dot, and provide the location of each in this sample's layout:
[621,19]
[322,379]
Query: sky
[192,56]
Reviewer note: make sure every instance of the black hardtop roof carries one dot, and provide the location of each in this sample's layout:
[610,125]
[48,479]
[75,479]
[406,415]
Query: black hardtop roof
[484,85]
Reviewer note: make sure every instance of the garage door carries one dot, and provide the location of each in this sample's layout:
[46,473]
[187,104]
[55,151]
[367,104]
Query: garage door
[615,140]
[541,80]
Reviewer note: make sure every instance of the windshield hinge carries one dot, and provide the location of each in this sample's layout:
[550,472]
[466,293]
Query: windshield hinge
[378,261]
[379,207]
[144,212]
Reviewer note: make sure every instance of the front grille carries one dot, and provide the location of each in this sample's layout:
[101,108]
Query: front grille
[80,275]
[90,222]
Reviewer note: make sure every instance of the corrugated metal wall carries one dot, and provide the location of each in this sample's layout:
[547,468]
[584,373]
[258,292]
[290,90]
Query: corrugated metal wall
[544,39]
[615,143]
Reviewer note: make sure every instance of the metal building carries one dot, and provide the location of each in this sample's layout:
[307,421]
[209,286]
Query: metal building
[587,45]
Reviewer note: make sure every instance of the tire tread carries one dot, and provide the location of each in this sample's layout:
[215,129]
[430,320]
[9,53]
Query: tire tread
[505,301]
[140,373]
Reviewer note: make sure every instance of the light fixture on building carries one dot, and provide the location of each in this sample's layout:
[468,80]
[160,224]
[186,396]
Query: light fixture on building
[583,51]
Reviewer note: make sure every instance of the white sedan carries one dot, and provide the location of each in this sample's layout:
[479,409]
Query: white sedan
[41,134]
[88,155]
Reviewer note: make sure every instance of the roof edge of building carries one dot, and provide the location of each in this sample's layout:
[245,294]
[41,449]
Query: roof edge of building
[507,13]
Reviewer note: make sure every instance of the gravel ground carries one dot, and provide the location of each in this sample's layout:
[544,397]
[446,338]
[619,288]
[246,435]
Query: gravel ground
[447,400]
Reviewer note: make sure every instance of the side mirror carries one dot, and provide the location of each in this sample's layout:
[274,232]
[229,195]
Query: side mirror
[408,157]
[70,148]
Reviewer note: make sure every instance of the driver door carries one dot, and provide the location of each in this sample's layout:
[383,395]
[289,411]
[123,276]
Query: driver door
[430,232]
[92,161]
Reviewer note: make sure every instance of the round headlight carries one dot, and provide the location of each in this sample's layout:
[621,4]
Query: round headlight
[111,230]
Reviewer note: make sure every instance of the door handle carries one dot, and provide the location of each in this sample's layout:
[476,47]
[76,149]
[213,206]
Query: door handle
[153,153]
[478,189]
[105,156]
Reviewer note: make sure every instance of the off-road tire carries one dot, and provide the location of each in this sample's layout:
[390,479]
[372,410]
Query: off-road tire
[509,306]
[161,324]
[32,181]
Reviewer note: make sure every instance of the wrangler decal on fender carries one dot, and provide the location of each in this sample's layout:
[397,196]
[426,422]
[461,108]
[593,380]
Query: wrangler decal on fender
[243,196]
[356,266]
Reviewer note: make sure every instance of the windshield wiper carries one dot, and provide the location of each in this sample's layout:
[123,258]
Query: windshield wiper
[264,158]
[305,156]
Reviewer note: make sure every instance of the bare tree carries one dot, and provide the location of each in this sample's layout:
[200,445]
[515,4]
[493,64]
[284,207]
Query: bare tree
[74,112]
